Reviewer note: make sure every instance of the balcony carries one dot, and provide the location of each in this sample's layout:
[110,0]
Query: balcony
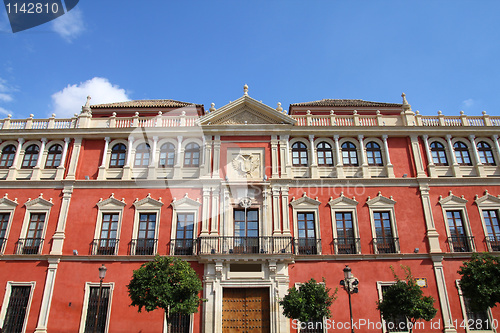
[493,243]
[386,245]
[143,246]
[245,245]
[182,247]
[104,246]
[29,245]
[308,246]
[461,243]
[346,245]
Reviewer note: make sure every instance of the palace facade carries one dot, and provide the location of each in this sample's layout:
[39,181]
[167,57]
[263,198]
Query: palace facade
[258,199]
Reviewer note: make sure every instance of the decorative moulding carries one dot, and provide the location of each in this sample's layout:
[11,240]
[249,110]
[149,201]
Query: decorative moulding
[185,201]
[40,201]
[148,201]
[380,199]
[305,200]
[6,201]
[342,200]
[487,199]
[111,201]
[452,199]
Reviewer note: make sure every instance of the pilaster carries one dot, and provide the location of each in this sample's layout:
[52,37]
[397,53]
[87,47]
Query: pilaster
[432,234]
[43,317]
[216,167]
[274,156]
[444,301]
[75,155]
[59,235]
[285,211]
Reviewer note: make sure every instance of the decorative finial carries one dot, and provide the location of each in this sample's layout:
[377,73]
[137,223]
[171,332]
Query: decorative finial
[160,113]
[279,108]
[87,104]
[308,112]
[53,115]
[406,105]
[245,90]
[440,112]
[484,113]
[136,114]
[405,102]
[462,113]
[32,115]
[212,107]
[332,112]
[114,114]
[378,112]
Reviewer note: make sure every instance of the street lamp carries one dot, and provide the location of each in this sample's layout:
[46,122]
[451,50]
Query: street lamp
[350,284]
[102,275]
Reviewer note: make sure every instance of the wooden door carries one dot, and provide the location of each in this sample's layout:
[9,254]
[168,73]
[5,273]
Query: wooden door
[245,310]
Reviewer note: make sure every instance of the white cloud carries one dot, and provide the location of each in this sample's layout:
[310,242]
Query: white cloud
[69,25]
[69,101]
[468,103]
[5,97]
[5,112]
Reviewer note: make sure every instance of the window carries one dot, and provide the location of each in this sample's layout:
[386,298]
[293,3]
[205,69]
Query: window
[54,156]
[438,153]
[4,222]
[385,241]
[299,154]
[30,157]
[118,153]
[92,303]
[349,154]
[142,155]
[167,155]
[192,155]
[485,153]
[462,153]
[373,154]
[107,242]
[8,154]
[345,241]
[398,324]
[492,228]
[185,234]
[246,231]
[325,155]
[16,306]
[458,240]
[146,242]
[474,321]
[307,233]
[34,236]
[179,323]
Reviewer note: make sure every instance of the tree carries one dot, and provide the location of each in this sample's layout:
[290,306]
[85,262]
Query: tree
[405,299]
[166,283]
[310,303]
[480,281]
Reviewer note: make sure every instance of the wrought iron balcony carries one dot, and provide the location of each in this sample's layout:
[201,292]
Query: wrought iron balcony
[386,244]
[245,245]
[308,246]
[143,246]
[493,242]
[29,245]
[346,245]
[461,243]
[104,246]
[182,247]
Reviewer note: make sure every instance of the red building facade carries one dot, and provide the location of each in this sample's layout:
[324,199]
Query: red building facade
[256,198]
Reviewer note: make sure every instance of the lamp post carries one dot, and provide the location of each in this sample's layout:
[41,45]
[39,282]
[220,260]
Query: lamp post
[350,284]
[102,275]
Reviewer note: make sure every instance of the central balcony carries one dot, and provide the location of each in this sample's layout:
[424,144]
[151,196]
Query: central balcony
[245,245]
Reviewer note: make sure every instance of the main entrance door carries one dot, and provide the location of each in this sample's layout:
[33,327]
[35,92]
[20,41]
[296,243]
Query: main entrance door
[245,310]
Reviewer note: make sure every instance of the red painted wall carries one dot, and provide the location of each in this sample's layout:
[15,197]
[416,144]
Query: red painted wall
[90,158]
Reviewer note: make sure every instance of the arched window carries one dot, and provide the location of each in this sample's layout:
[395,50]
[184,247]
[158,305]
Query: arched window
[299,154]
[8,154]
[325,156]
[142,155]
[54,157]
[118,153]
[167,155]
[30,157]
[462,153]
[192,155]
[485,153]
[349,154]
[373,154]
[438,153]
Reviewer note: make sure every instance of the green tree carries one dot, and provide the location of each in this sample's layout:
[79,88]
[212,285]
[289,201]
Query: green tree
[310,303]
[480,281]
[405,299]
[166,283]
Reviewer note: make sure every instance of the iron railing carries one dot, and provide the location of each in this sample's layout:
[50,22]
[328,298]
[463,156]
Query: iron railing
[245,245]
[179,323]
[29,245]
[386,244]
[182,247]
[308,246]
[143,246]
[493,242]
[104,246]
[346,245]
[461,243]
[16,310]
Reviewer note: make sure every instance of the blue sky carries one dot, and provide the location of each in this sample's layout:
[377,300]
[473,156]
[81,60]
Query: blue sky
[443,54]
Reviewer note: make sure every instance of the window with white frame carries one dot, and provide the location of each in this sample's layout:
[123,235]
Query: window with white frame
[54,155]
[192,155]
[107,233]
[384,230]
[489,209]
[7,158]
[374,154]
[7,208]
[485,153]
[457,223]
[474,321]
[462,153]
[345,225]
[142,155]
[438,153]
[93,293]
[306,225]
[31,155]
[34,226]
[184,226]
[398,324]
[299,154]
[118,155]
[349,154]
[325,154]
[167,155]
[16,306]
[147,220]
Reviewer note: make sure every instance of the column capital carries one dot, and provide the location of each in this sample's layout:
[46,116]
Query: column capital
[131,139]
[384,137]
[425,137]
[360,137]
[44,140]
[155,138]
[448,136]
[107,139]
[20,140]
[336,137]
[67,140]
[311,137]
[472,137]
[495,136]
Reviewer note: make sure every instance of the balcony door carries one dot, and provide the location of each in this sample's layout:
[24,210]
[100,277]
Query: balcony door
[246,231]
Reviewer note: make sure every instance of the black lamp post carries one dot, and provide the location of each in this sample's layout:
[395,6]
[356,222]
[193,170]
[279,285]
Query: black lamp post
[102,275]
[350,284]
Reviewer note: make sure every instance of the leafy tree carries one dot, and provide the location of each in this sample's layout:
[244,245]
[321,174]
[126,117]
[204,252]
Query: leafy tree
[311,302]
[166,283]
[405,299]
[480,281]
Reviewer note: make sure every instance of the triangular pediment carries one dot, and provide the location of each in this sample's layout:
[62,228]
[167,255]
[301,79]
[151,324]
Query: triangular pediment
[40,201]
[488,199]
[342,201]
[246,111]
[185,201]
[6,202]
[304,201]
[148,202]
[111,201]
[452,199]
[380,200]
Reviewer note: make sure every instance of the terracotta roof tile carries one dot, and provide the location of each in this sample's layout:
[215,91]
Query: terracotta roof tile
[346,102]
[146,103]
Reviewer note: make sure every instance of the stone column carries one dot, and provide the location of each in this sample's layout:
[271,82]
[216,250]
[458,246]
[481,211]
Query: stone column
[102,168]
[207,157]
[13,169]
[274,156]
[313,159]
[444,301]
[497,147]
[285,210]
[43,316]
[75,155]
[388,167]
[214,226]
[364,163]
[205,210]
[340,163]
[276,211]
[127,172]
[59,235]
[179,159]
[36,169]
[432,234]
[216,167]
[455,166]
[431,167]
[153,161]
[60,168]
[478,164]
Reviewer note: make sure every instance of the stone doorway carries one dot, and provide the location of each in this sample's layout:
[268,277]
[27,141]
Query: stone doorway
[245,310]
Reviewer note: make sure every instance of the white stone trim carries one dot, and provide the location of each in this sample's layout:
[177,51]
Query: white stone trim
[487,202]
[7,206]
[86,297]
[185,205]
[344,204]
[36,206]
[147,205]
[464,313]
[383,204]
[381,284]
[454,203]
[306,205]
[6,299]
[109,206]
